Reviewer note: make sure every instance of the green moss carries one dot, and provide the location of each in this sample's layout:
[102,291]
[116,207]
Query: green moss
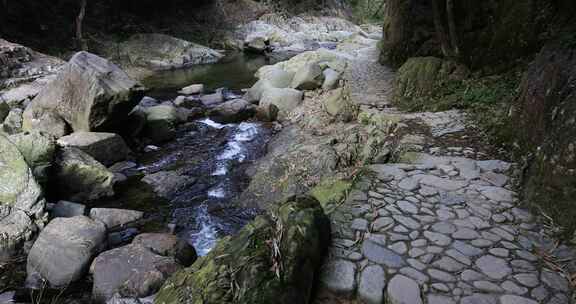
[331,191]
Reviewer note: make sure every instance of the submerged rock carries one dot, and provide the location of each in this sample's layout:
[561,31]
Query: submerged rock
[21,200]
[107,148]
[246,268]
[89,93]
[63,251]
[79,177]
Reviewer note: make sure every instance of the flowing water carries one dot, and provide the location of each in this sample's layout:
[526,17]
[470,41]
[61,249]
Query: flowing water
[209,156]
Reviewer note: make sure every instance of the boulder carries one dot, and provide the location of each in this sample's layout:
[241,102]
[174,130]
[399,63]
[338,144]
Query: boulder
[131,271]
[89,94]
[38,150]
[161,123]
[310,77]
[338,104]
[79,177]
[243,268]
[50,123]
[63,251]
[212,99]
[68,209]
[277,77]
[188,102]
[13,122]
[22,202]
[331,79]
[256,44]
[107,148]
[168,245]
[167,183]
[232,111]
[278,103]
[148,102]
[163,52]
[115,218]
[192,89]
[254,94]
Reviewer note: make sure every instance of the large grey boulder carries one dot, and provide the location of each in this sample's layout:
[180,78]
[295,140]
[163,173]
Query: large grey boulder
[38,150]
[162,52]
[278,103]
[273,77]
[232,111]
[89,94]
[79,177]
[63,251]
[131,271]
[22,202]
[309,77]
[114,218]
[107,148]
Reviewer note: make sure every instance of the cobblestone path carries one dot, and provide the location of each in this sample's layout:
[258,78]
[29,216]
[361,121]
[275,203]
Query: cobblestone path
[443,227]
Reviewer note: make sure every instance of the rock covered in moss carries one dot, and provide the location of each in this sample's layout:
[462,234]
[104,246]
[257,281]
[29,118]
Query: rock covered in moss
[79,177]
[21,200]
[274,259]
[38,150]
[424,77]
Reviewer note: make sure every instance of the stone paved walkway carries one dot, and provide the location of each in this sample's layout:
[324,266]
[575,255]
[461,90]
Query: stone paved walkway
[443,228]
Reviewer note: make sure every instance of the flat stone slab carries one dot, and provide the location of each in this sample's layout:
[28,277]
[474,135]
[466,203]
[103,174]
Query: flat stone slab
[403,290]
[339,276]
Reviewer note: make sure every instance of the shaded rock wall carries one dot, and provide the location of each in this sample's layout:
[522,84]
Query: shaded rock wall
[545,113]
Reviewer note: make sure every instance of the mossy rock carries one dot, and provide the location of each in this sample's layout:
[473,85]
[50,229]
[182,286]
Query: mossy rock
[331,191]
[421,78]
[274,259]
[339,105]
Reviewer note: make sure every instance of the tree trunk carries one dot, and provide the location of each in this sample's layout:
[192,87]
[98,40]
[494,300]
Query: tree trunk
[82,45]
[452,27]
[438,25]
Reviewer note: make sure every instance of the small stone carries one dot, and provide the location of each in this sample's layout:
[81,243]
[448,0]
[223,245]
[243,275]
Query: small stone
[511,299]
[466,249]
[437,299]
[381,255]
[459,257]
[416,264]
[522,266]
[478,298]
[371,286]
[500,252]
[441,275]
[554,281]
[487,286]
[399,247]
[440,287]
[444,227]
[493,267]
[465,234]
[339,277]
[471,275]
[407,221]
[415,274]
[512,287]
[482,243]
[448,264]
[403,290]
[407,207]
[437,238]
[382,224]
[419,243]
[359,224]
[527,279]
[540,293]
[526,255]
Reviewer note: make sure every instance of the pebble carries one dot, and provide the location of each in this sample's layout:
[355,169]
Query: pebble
[403,290]
[493,267]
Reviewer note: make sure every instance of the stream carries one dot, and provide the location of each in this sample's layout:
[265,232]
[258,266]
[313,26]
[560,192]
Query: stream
[210,157]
